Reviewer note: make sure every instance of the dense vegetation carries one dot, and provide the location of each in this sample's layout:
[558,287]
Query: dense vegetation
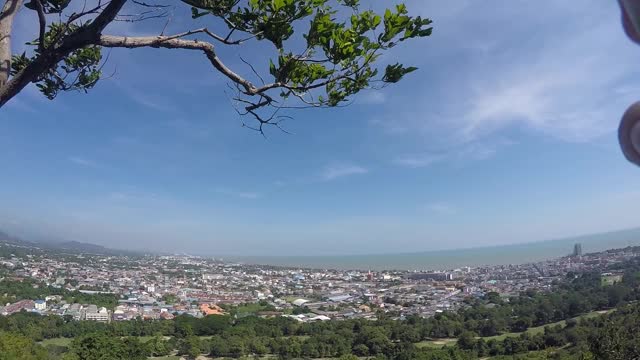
[12,291]
[570,299]
[601,337]
[607,337]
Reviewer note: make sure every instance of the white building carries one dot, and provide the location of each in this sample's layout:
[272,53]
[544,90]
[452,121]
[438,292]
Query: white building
[40,305]
[101,315]
[300,302]
[211,277]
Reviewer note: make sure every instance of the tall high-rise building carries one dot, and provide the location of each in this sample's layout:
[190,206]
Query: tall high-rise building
[577,249]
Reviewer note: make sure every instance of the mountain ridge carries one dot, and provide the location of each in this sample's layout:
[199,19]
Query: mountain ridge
[72,246]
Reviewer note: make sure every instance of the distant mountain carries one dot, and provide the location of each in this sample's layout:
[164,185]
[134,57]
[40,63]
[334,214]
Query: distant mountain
[83,247]
[9,239]
[66,246]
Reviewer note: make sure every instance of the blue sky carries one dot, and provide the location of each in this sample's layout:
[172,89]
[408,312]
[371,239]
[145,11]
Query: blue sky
[506,134]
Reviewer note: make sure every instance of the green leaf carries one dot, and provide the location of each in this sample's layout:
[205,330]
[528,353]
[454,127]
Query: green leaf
[272,69]
[278,4]
[195,13]
[394,73]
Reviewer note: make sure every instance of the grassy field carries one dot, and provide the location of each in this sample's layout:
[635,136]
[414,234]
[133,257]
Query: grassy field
[202,357]
[67,341]
[251,308]
[540,329]
[57,341]
[530,331]
[438,343]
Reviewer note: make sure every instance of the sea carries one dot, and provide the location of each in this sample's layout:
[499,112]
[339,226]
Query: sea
[451,259]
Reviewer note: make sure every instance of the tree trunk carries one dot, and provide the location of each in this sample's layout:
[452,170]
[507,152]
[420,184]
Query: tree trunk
[9,11]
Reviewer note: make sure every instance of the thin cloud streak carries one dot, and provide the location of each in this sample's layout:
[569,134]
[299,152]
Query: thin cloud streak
[336,171]
[83,161]
[250,195]
[418,160]
[441,208]
[372,97]
[474,151]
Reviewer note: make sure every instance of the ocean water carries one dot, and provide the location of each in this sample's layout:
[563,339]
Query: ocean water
[450,259]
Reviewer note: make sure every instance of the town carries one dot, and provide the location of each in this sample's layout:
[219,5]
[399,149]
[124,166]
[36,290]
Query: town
[161,287]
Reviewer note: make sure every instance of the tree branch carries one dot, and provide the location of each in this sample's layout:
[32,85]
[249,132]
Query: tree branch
[42,22]
[75,16]
[174,42]
[207,32]
[106,16]
[83,37]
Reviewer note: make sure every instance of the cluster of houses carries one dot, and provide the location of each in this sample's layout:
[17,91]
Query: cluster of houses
[76,311]
[161,287]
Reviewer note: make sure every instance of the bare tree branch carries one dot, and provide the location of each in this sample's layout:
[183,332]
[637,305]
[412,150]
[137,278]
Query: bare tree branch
[75,16]
[253,69]
[144,4]
[175,42]
[153,11]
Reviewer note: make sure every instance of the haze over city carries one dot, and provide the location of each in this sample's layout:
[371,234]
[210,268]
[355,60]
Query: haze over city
[504,135]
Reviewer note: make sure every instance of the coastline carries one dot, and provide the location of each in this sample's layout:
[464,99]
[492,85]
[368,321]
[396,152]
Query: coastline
[514,254]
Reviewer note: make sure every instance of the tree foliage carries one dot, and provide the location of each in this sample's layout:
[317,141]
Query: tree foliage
[11,291]
[17,347]
[323,52]
[105,347]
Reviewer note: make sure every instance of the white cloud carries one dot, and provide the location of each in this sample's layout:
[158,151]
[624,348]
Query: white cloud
[119,196]
[132,196]
[567,96]
[564,75]
[441,208]
[241,194]
[148,99]
[248,195]
[82,161]
[335,171]
[372,97]
[473,151]
[418,160]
